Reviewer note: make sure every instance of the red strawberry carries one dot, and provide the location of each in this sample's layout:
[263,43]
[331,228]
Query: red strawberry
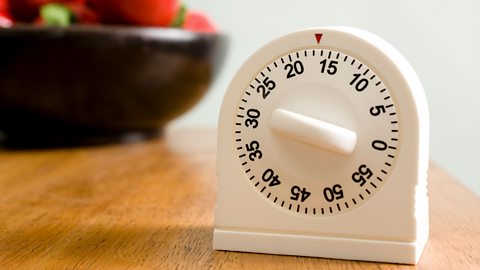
[82,13]
[136,12]
[198,22]
[5,19]
[3,5]
[27,10]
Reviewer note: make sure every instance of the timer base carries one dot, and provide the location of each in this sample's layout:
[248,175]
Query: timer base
[319,246]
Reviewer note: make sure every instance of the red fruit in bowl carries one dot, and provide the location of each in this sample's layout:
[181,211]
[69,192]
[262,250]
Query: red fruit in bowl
[3,5]
[27,10]
[5,19]
[83,14]
[198,22]
[137,12]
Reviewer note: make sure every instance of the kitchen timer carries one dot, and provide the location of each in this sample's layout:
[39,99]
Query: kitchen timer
[323,151]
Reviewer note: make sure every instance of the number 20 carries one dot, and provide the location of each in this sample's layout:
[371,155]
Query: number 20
[293,70]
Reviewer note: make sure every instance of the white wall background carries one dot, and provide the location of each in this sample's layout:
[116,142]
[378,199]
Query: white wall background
[441,39]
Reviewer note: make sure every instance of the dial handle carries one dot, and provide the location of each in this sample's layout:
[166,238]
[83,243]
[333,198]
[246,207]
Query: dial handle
[313,131]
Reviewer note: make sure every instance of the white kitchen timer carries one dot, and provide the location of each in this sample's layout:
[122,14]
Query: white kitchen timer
[323,151]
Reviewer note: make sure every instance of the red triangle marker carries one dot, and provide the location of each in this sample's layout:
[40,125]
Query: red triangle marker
[318,37]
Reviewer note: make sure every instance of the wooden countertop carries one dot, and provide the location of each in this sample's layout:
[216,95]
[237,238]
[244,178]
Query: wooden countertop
[139,206]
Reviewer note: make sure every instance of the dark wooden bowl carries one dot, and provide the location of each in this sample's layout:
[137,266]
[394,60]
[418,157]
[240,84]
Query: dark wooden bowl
[87,83]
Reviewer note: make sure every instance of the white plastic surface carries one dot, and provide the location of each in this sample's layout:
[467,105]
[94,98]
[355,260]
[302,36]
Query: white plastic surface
[393,221]
[319,246]
[313,131]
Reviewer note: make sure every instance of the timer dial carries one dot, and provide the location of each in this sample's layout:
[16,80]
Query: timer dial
[317,131]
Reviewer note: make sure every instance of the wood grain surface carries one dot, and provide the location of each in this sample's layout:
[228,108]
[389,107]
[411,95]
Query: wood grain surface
[139,206]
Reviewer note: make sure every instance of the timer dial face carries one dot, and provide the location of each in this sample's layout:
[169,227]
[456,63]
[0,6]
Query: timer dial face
[316,131]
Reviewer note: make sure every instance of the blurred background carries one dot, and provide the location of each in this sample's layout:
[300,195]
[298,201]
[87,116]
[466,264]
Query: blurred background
[441,39]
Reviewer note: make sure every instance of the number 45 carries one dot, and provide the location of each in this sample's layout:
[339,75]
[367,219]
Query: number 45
[299,193]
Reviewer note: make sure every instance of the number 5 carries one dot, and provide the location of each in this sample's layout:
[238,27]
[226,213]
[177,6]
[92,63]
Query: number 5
[377,110]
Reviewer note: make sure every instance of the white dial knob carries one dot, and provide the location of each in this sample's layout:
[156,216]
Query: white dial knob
[313,131]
